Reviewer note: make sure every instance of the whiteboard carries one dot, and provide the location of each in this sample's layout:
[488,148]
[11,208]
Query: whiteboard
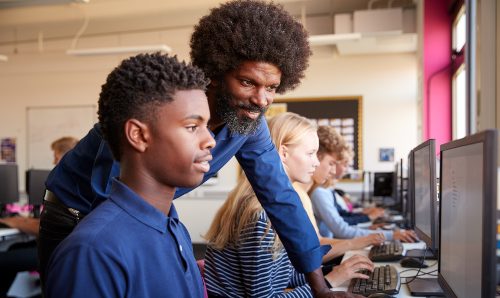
[46,124]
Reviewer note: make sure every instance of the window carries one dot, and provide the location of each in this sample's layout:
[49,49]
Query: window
[459,104]
[459,91]
[459,31]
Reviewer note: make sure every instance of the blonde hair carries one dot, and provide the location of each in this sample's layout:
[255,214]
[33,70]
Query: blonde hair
[64,144]
[242,207]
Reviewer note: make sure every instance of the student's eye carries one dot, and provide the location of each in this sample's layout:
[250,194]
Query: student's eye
[192,128]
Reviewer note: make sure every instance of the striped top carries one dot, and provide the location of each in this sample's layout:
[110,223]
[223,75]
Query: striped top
[249,269]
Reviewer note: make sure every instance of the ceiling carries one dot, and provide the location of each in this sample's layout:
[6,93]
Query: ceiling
[25,20]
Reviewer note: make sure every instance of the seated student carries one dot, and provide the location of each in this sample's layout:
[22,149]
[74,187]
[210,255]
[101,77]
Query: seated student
[23,256]
[340,246]
[342,201]
[330,223]
[154,113]
[245,257]
[30,225]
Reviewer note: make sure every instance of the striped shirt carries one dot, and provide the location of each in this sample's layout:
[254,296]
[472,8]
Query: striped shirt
[249,270]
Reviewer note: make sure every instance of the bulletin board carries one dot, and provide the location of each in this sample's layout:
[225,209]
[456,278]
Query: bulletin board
[343,113]
[46,124]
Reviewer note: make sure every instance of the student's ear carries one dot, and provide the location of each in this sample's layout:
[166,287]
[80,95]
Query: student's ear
[283,152]
[137,134]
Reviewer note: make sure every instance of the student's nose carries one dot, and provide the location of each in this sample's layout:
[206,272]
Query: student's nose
[316,161]
[209,141]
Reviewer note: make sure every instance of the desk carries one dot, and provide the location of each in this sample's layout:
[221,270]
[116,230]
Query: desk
[8,232]
[403,291]
[11,236]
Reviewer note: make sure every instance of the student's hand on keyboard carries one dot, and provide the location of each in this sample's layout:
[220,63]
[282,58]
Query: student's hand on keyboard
[349,269]
[377,226]
[375,213]
[372,239]
[405,235]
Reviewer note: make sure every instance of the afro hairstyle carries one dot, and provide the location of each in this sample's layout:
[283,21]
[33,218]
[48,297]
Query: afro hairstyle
[137,87]
[249,30]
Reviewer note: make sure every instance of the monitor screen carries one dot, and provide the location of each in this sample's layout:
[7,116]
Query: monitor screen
[382,184]
[468,216]
[9,184]
[425,193]
[35,185]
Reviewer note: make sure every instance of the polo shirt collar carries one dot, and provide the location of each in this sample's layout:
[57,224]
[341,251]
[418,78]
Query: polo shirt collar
[139,209]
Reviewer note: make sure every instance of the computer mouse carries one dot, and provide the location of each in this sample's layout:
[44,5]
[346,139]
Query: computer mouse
[409,262]
[379,295]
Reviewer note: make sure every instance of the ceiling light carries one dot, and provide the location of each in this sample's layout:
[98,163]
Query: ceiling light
[4,58]
[119,50]
[327,39]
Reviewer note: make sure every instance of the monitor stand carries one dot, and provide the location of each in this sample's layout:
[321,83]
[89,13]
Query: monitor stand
[425,287]
[421,253]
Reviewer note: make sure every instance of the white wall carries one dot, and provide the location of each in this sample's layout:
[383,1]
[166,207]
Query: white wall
[387,83]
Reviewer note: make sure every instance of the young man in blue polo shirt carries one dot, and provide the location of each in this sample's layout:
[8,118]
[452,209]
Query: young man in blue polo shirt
[250,50]
[153,112]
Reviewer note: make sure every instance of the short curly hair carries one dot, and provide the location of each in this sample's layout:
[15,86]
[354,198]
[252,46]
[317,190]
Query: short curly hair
[249,30]
[332,142]
[137,87]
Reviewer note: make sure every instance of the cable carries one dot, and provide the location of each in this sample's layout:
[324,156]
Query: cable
[419,273]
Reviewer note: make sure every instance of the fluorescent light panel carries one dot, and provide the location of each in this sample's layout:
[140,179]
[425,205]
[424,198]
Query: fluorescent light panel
[327,39]
[119,50]
[4,58]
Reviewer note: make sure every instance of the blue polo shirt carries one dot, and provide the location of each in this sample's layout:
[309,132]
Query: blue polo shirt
[125,248]
[81,181]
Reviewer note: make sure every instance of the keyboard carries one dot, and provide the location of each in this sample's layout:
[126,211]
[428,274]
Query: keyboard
[383,279]
[387,252]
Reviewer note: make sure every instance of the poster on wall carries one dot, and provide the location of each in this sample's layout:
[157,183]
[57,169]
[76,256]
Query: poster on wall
[386,154]
[8,150]
[342,113]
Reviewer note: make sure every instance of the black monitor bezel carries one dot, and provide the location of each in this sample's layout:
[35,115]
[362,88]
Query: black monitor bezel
[11,172]
[430,240]
[490,147]
[409,210]
[29,185]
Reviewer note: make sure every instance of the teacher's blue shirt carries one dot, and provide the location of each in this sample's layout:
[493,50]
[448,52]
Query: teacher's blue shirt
[125,248]
[82,178]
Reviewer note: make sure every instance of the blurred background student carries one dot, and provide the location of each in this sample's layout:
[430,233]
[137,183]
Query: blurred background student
[329,221]
[23,256]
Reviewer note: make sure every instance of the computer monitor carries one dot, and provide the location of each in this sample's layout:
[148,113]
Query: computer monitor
[397,187]
[9,185]
[468,207]
[382,184]
[35,185]
[408,213]
[425,204]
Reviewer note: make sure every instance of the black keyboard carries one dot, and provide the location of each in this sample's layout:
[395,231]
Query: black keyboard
[383,279]
[387,252]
